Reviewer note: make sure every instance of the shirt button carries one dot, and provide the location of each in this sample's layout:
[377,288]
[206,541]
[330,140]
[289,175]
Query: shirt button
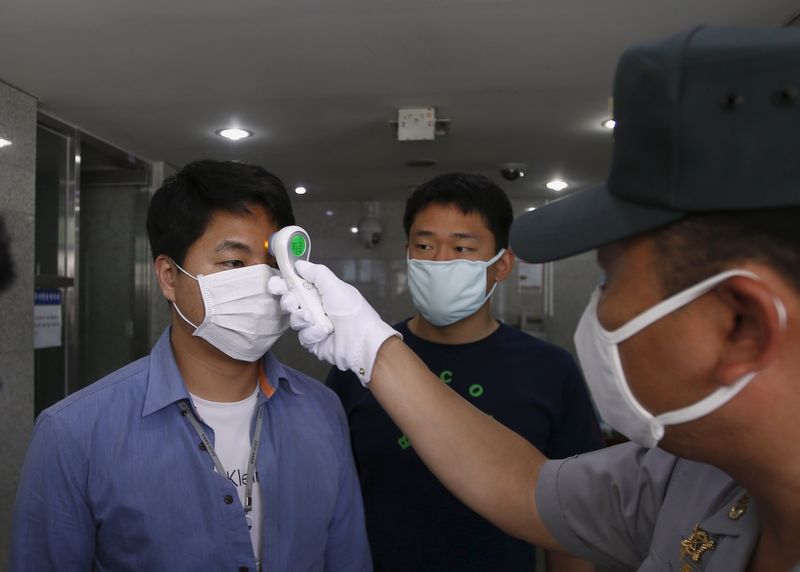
[228,499]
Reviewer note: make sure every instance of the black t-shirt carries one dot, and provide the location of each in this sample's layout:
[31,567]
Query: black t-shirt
[413,522]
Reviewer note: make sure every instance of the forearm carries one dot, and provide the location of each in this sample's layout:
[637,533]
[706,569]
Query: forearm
[561,562]
[486,465]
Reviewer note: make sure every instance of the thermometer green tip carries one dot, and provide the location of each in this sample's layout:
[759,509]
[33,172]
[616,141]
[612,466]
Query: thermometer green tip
[297,244]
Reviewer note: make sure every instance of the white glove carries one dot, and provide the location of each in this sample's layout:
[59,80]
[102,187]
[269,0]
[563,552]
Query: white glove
[359,331]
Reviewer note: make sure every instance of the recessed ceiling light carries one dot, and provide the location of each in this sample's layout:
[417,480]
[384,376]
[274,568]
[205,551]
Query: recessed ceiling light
[557,185]
[4,142]
[609,124]
[300,190]
[354,229]
[234,133]
[328,213]
[529,209]
[77,159]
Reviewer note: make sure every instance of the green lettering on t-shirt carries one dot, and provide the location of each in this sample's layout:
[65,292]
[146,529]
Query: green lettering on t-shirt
[404,442]
[446,376]
[476,390]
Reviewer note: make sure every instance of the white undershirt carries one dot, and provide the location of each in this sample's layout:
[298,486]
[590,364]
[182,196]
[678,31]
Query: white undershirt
[231,424]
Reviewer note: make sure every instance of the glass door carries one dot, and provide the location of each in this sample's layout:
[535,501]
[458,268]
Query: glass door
[114,260]
[55,296]
[93,266]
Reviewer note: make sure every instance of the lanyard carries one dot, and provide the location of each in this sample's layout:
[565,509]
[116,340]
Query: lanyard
[251,461]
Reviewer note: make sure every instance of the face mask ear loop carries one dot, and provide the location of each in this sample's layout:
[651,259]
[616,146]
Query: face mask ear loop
[723,395]
[489,295]
[178,266]
[672,304]
[781,309]
[495,258]
[182,316]
[489,263]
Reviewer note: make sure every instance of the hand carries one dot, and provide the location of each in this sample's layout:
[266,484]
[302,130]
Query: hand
[359,331]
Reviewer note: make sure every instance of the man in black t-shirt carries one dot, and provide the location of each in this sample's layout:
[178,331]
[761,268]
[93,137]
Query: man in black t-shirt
[457,227]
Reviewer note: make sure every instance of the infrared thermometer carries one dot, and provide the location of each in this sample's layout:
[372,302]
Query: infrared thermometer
[289,245]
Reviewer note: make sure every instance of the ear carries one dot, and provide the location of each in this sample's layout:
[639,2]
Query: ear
[166,274]
[503,266]
[754,331]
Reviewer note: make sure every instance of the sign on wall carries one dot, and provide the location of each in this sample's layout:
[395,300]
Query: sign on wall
[530,277]
[46,318]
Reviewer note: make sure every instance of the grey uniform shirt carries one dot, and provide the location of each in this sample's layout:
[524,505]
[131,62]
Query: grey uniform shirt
[630,508]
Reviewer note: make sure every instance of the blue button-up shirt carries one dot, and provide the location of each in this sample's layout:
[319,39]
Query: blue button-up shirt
[114,479]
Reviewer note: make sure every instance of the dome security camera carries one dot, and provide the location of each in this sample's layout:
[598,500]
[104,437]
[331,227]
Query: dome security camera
[513,171]
[370,231]
[512,174]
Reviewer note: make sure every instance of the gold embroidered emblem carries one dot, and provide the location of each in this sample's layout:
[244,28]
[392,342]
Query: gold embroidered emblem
[739,508]
[696,544]
[686,568]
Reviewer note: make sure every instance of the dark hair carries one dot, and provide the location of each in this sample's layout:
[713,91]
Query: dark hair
[469,193]
[7,273]
[702,245]
[180,210]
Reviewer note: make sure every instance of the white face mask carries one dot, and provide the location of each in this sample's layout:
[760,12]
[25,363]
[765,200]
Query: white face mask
[447,291]
[242,319]
[598,353]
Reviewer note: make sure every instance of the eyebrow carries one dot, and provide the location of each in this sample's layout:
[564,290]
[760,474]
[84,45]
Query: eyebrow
[467,235]
[232,245]
[462,235]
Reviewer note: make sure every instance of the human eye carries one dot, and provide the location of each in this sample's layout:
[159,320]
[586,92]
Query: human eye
[423,246]
[232,264]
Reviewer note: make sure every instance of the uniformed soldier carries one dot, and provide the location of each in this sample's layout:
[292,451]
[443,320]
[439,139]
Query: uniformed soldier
[689,345]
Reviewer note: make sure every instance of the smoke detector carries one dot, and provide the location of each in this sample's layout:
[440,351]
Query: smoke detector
[419,124]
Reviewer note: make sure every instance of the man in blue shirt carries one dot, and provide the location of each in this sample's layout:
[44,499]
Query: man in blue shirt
[208,454]
[457,228]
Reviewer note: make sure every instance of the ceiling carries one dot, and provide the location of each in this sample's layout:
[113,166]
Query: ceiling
[318,81]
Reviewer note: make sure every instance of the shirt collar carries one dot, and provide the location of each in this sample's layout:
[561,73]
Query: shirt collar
[165,384]
[275,370]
